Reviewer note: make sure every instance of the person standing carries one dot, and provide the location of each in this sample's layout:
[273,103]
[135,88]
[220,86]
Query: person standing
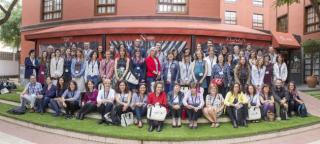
[258,73]
[107,66]
[67,66]
[170,72]
[268,77]
[56,66]
[200,70]
[211,60]
[87,51]
[221,75]
[280,70]
[44,68]
[153,68]
[77,70]
[31,64]
[242,73]
[138,68]
[92,69]
[122,63]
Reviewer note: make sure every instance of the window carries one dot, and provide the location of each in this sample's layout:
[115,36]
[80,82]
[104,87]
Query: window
[257,21]
[311,20]
[51,9]
[230,17]
[105,7]
[282,24]
[172,6]
[257,2]
[230,1]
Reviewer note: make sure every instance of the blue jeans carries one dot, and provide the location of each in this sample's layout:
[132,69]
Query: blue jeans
[140,111]
[149,81]
[169,87]
[54,105]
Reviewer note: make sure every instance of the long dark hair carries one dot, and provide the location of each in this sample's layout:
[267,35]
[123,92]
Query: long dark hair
[126,90]
[87,87]
[75,85]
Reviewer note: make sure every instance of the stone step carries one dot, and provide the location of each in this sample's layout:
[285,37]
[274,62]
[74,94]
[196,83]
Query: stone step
[97,116]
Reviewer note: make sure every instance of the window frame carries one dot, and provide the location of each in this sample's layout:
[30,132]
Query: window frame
[42,13]
[96,5]
[262,5]
[230,2]
[306,25]
[236,20]
[255,27]
[178,13]
[287,25]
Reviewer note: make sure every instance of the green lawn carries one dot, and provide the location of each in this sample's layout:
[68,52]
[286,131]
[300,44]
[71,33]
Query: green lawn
[204,132]
[315,94]
[14,97]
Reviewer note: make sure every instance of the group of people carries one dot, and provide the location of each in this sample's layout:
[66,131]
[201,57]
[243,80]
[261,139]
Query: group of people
[210,82]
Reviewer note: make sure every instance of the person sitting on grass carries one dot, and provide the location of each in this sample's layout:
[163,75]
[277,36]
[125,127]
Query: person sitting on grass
[253,98]
[71,99]
[56,103]
[32,91]
[267,101]
[89,101]
[139,103]
[214,105]
[175,101]
[105,100]
[236,105]
[193,101]
[49,93]
[123,98]
[296,104]
[158,97]
[281,97]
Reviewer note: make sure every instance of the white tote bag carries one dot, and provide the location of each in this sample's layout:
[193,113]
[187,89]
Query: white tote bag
[126,119]
[131,78]
[157,113]
[254,113]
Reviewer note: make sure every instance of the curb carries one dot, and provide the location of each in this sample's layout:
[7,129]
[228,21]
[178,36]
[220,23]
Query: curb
[100,139]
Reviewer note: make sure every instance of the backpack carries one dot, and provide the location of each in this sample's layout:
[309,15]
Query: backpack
[113,118]
[302,111]
[18,110]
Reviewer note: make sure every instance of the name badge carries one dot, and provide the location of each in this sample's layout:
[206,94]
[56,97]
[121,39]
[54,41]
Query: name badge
[42,73]
[200,74]
[33,95]
[221,73]
[77,72]
[267,72]
[138,68]
[66,70]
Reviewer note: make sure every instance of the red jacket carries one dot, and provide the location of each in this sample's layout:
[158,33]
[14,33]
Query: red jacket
[151,66]
[161,99]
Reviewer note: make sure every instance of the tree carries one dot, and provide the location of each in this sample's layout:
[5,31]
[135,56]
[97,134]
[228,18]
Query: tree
[7,12]
[10,30]
[314,3]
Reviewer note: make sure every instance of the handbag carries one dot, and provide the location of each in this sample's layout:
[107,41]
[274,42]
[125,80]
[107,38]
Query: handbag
[217,81]
[270,116]
[131,78]
[126,119]
[157,113]
[254,113]
[4,91]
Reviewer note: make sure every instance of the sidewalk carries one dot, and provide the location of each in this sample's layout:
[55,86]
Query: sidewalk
[313,104]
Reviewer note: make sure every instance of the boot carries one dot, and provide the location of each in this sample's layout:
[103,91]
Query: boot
[245,124]
[179,122]
[174,124]
[234,123]
[159,128]
[151,128]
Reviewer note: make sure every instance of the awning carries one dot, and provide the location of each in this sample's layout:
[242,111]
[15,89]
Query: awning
[284,40]
[151,27]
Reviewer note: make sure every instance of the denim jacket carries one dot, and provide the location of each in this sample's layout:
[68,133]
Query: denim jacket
[171,98]
[77,68]
[175,70]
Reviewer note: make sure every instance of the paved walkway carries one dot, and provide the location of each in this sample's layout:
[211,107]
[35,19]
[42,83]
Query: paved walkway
[15,134]
[313,104]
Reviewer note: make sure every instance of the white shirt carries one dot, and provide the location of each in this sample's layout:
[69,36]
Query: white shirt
[185,73]
[257,75]
[280,71]
[92,69]
[56,66]
[210,63]
[109,95]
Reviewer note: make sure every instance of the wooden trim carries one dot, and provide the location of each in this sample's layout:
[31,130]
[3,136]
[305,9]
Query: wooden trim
[178,13]
[103,14]
[42,12]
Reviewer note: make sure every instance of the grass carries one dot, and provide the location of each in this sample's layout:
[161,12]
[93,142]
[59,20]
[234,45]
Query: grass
[204,132]
[14,97]
[315,94]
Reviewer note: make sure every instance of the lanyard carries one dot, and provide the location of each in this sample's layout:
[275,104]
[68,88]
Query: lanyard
[187,69]
[57,62]
[280,67]
[106,66]
[92,66]
[32,88]
[104,94]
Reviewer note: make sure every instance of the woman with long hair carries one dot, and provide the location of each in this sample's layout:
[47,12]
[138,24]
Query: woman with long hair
[122,63]
[67,65]
[56,103]
[295,101]
[170,72]
[242,73]
[138,68]
[89,101]
[44,68]
[221,75]
[123,98]
[158,97]
[257,73]
[200,70]
[267,101]
[77,70]
[105,100]
[280,70]
[139,103]
[107,66]
[193,101]
[56,66]
[92,69]
[175,101]
[236,102]
[71,99]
